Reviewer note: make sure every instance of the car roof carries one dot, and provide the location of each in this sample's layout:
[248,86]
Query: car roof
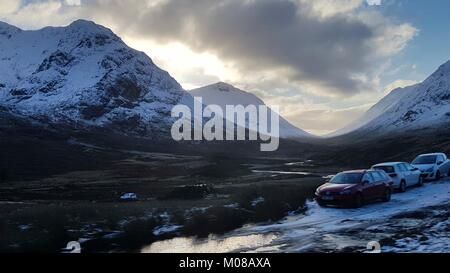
[389,164]
[356,171]
[432,154]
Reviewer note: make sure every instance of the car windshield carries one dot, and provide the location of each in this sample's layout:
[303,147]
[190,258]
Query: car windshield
[424,160]
[347,178]
[387,169]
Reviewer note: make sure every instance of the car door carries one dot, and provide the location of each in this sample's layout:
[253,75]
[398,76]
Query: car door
[414,174]
[379,184]
[369,188]
[445,167]
[442,166]
[407,173]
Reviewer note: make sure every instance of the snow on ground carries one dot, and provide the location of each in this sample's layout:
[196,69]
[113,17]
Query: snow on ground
[415,221]
[320,225]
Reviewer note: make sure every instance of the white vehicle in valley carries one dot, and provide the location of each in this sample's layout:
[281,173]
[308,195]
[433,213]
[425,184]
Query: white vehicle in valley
[403,174]
[433,166]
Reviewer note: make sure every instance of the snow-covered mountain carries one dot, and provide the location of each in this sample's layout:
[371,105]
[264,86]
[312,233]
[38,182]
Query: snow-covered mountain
[422,106]
[84,75]
[223,94]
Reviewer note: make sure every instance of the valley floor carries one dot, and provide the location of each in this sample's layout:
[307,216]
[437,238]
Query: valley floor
[417,221]
[187,202]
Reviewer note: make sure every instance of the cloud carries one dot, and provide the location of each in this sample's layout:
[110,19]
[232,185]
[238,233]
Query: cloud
[374,2]
[323,46]
[326,8]
[9,6]
[316,44]
[330,119]
[398,84]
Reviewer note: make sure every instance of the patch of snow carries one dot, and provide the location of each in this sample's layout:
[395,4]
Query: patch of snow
[257,201]
[299,233]
[161,230]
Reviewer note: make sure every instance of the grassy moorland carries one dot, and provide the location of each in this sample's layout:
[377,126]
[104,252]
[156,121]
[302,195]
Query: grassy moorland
[178,196]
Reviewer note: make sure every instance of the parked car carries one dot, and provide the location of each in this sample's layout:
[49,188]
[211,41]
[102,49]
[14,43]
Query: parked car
[355,188]
[129,197]
[433,166]
[403,174]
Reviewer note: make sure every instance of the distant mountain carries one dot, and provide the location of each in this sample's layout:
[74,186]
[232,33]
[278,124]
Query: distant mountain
[422,106]
[223,94]
[83,75]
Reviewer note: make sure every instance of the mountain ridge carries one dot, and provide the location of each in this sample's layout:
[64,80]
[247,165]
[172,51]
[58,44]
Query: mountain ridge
[85,74]
[223,94]
[425,105]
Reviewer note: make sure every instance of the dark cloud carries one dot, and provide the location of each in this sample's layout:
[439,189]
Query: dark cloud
[262,35]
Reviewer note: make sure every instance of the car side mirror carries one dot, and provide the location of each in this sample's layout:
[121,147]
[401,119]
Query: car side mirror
[365,182]
[440,163]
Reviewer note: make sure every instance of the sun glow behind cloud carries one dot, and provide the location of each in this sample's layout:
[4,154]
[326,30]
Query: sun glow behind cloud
[183,62]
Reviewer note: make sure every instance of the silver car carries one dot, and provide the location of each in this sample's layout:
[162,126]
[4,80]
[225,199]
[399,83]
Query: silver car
[433,166]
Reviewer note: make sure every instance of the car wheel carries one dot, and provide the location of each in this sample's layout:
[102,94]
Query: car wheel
[402,186]
[420,183]
[438,176]
[387,196]
[359,200]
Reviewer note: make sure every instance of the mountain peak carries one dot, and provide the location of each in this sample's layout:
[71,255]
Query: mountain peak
[88,27]
[443,70]
[222,86]
[84,73]
[81,23]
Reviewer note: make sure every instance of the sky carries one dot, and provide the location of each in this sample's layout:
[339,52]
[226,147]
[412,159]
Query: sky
[323,62]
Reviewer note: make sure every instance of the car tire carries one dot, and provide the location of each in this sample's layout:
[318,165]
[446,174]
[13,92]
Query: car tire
[402,188]
[359,201]
[387,196]
[438,176]
[420,183]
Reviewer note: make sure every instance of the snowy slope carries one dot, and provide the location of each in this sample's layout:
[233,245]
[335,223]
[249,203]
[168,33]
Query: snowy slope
[377,110]
[424,105]
[84,74]
[223,94]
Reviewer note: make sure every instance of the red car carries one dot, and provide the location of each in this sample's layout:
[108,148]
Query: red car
[355,188]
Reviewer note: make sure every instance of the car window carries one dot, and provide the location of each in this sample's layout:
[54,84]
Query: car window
[368,177]
[377,177]
[425,160]
[346,178]
[406,167]
[440,158]
[385,176]
[387,169]
[402,168]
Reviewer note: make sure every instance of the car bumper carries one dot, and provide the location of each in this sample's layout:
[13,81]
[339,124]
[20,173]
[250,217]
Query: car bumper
[429,176]
[335,200]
